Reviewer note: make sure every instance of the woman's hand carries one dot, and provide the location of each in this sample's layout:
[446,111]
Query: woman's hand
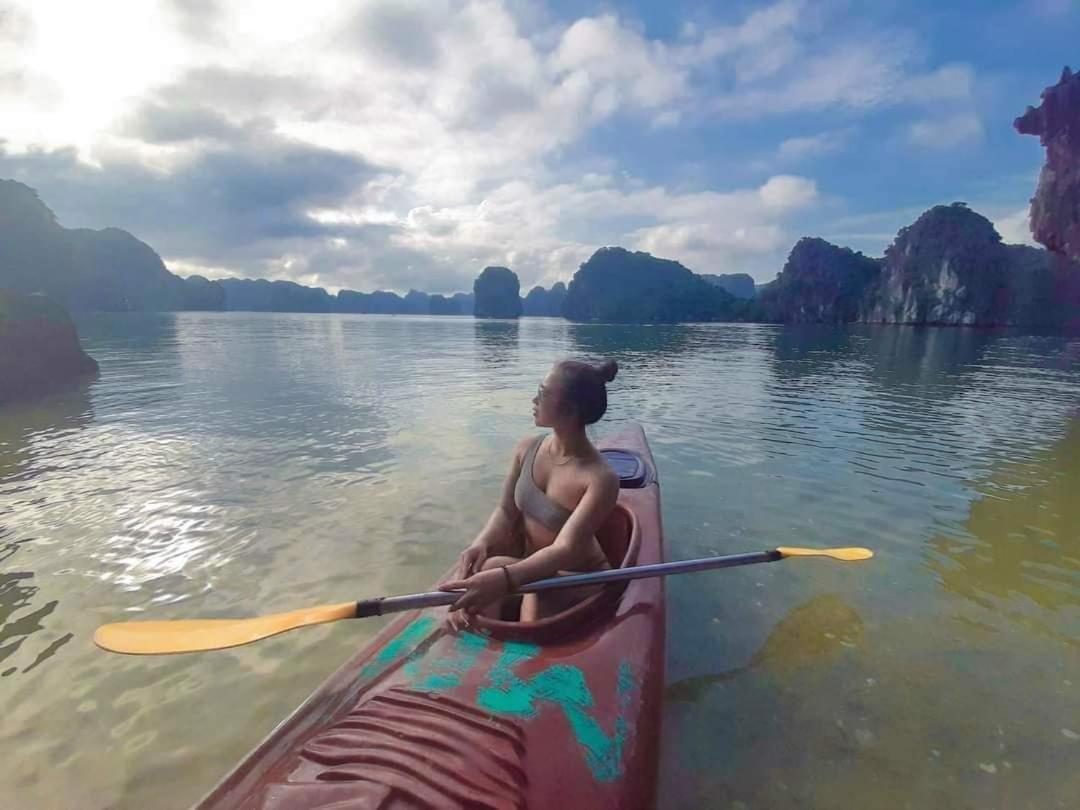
[472,560]
[481,590]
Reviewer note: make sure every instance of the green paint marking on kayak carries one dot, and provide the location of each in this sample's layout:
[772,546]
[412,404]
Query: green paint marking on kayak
[437,673]
[508,694]
[443,665]
[626,680]
[398,647]
[566,687]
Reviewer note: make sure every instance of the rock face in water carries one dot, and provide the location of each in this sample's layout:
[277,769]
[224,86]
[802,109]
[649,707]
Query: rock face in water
[1055,208]
[39,347]
[498,293]
[741,285]
[951,267]
[820,283]
[615,285]
[545,303]
[948,267]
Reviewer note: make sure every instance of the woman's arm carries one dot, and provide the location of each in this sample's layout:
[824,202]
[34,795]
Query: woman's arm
[484,587]
[576,536]
[497,535]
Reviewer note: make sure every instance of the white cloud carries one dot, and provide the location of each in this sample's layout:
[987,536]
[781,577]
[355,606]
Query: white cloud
[950,82]
[602,50]
[808,146]
[1015,228]
[785,192]
[960,129]
[436,130]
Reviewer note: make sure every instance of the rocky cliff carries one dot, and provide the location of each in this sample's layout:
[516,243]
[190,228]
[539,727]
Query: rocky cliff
[615,285]
[498,293]
[82,269]
[820,283]
[948,267]
[1055,208]
[39,347]
[545,303]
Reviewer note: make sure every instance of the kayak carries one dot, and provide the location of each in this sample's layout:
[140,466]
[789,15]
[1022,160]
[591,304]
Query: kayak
[563,712]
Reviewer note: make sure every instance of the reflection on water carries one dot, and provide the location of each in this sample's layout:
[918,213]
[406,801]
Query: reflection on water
[806,635]
[496,341]
[628,342]
[32,436]
[236,463]
[935,362]
[1020,544]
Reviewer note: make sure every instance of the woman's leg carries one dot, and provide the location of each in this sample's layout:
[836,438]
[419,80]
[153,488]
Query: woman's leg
[541,605]
[494,610]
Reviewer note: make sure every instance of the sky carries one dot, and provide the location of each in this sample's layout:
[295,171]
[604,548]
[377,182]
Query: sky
[408,144]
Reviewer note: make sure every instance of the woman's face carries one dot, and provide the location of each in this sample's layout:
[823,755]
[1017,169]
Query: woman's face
[547,402]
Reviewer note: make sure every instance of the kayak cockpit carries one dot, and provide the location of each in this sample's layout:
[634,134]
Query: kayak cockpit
[620,540]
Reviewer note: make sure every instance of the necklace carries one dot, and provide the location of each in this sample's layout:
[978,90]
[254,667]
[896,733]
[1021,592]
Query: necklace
[555,463]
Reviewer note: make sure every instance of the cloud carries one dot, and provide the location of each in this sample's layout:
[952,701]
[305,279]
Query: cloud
[602,53]
[737,230]
[158,124]
[15,30]
[16,26]
[795,57]
[1015,228]
[960,129]
[809,146]
[409,143]
[950,82]
[402,32]
[196,18]
[761,32]
[245,200]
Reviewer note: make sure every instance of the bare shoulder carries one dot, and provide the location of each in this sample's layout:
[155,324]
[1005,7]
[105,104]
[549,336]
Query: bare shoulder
[522,447]
[602,476]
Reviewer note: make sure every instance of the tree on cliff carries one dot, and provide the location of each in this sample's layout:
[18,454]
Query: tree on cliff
[545,303]
[616,285]
[498,293]
[820,283]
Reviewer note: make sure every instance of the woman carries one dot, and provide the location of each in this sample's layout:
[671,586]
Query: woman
[557,495]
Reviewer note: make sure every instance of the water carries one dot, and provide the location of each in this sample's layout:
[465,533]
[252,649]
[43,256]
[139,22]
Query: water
[231,464]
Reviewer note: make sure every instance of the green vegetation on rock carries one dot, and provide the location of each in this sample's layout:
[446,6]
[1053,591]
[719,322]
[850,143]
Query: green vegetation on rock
[618,286]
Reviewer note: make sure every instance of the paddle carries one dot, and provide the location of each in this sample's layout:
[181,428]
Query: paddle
[199,635]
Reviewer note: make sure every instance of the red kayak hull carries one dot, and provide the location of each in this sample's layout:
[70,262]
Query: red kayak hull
[557,714]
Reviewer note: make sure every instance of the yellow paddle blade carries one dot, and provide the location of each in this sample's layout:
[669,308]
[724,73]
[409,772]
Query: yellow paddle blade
[843,554]
[197,635]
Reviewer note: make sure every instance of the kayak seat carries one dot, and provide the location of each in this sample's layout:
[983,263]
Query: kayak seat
[631,468]
[620,539]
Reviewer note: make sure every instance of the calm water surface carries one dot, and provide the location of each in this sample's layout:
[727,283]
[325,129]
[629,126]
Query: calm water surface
[230,464]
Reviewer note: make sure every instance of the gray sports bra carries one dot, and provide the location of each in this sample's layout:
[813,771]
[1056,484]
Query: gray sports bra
[532,500]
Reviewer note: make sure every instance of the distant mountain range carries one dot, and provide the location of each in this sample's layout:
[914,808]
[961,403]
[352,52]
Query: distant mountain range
[949,267]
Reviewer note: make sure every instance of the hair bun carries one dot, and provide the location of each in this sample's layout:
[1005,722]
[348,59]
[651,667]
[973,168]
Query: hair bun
[607,370]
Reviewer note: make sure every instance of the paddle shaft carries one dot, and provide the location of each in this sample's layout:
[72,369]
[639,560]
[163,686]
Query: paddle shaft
[415,601]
